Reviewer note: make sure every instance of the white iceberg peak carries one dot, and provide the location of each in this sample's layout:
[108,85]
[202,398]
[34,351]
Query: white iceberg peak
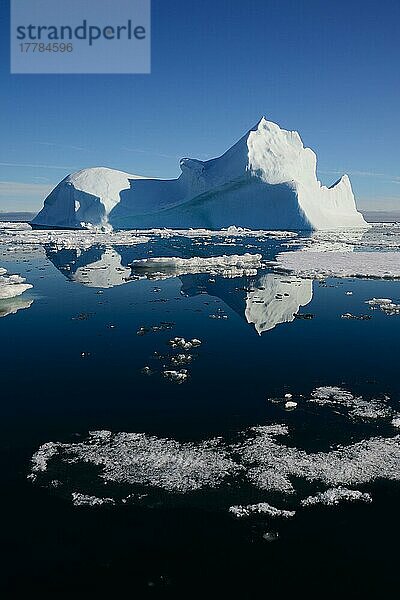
[267,180]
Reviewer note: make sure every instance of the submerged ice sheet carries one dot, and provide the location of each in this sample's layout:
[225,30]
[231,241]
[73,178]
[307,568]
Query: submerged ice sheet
[376,265]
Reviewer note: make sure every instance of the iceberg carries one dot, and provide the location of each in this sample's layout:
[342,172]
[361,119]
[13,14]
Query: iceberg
[267,180]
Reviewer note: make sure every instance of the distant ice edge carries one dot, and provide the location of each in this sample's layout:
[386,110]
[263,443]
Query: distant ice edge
[267,180]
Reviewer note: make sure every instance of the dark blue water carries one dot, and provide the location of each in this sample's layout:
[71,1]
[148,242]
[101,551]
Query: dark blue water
[71,363]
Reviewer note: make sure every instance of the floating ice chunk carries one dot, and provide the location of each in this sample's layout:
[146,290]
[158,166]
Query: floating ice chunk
[331,395]
[396,421]
[12,285]
[140,459]
[385,304]
[180,342]
[177,376]
[227,266]
[13,305]
[290,405]
[272,466]
[320,265]
[41,458]
[85,500]
[260,508]
[357,406]
[334,496]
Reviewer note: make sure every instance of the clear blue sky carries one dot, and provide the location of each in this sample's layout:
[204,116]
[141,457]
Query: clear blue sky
[328,69]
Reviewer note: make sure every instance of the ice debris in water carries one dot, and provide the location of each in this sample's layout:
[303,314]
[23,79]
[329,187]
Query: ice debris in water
[385,304]
[12,285]
[227,266]
[177,376]
[137,459]
[85,500]
[333,496]
[140,459]
[21,234]
[272,466]
[357,406]
[260,508]
[396,421]
[356,317]
[163,326]
[180,342]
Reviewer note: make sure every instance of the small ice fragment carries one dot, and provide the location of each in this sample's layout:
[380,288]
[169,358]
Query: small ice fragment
[290,405]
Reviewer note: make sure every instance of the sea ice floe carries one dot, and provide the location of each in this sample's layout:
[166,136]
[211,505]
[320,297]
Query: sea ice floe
[12,285]
[357,407]
[144,460]
[334,496]
[180,342]
[230,266]
[177,376]
[385,304]
[13,305]
[262,508]
[85,500]
[273,466]
[320,265]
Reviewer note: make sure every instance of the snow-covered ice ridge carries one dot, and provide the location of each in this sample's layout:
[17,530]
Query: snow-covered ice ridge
[266,180]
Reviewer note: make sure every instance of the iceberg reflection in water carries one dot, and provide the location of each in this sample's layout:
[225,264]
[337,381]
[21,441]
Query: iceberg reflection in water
[264,301]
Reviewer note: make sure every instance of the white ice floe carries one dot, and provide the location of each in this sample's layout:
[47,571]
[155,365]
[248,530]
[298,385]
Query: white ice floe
[227,266]
[87,500]
[385,304]
[276,300]
[356,407]
[334,496]
[137,458]
[24,235]
[176,376]
[12,285]
[180,342]
[227,233]
[273,466]
[262,508]
[319,265]
[396,421]
[12,305]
